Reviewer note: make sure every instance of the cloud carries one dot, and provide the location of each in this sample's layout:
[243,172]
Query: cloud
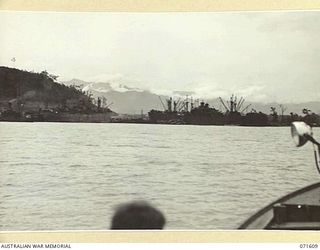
[104,78]
[213,90]
[265,56]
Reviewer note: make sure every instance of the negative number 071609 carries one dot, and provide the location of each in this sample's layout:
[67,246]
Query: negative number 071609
[308,245]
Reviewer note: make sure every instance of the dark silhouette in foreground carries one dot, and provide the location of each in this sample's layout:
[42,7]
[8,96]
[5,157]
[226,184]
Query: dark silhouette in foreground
[138,215]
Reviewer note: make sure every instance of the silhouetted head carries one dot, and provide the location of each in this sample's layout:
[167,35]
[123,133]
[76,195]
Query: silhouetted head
[137,215]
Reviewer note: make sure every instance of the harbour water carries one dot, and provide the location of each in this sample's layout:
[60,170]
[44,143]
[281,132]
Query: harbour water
[70,176]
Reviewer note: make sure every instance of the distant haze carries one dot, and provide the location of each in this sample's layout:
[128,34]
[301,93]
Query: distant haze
[263,56]
[125,99]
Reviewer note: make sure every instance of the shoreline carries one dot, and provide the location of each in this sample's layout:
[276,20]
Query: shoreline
[150,123]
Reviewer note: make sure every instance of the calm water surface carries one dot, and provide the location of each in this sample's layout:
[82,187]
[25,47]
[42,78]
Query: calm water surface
[58,176]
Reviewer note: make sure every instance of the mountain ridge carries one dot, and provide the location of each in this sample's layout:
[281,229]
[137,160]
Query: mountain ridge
[131,100]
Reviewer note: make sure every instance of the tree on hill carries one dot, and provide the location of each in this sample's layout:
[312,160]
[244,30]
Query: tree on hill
[274,114]
[310,117]
[282,109]
[306,111]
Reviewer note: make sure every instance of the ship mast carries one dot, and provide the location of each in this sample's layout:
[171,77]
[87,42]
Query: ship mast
[233,105]
[169,104]
[162,103]
[225,106]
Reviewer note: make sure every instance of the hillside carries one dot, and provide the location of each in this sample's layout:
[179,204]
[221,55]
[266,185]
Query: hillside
[34,87]
[23,91]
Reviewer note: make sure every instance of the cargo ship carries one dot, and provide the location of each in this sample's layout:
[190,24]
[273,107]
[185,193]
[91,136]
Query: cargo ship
[200,113]
[195,112]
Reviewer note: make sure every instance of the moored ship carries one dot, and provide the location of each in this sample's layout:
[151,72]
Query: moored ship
[200,113]
[194,112]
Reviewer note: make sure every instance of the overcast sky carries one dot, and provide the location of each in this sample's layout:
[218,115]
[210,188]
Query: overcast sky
[264,56]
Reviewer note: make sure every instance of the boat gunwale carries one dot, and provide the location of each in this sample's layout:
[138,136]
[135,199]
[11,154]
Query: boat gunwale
[267,208]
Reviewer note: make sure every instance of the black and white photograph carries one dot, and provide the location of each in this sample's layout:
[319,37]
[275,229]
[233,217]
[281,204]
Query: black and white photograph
[159,120]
